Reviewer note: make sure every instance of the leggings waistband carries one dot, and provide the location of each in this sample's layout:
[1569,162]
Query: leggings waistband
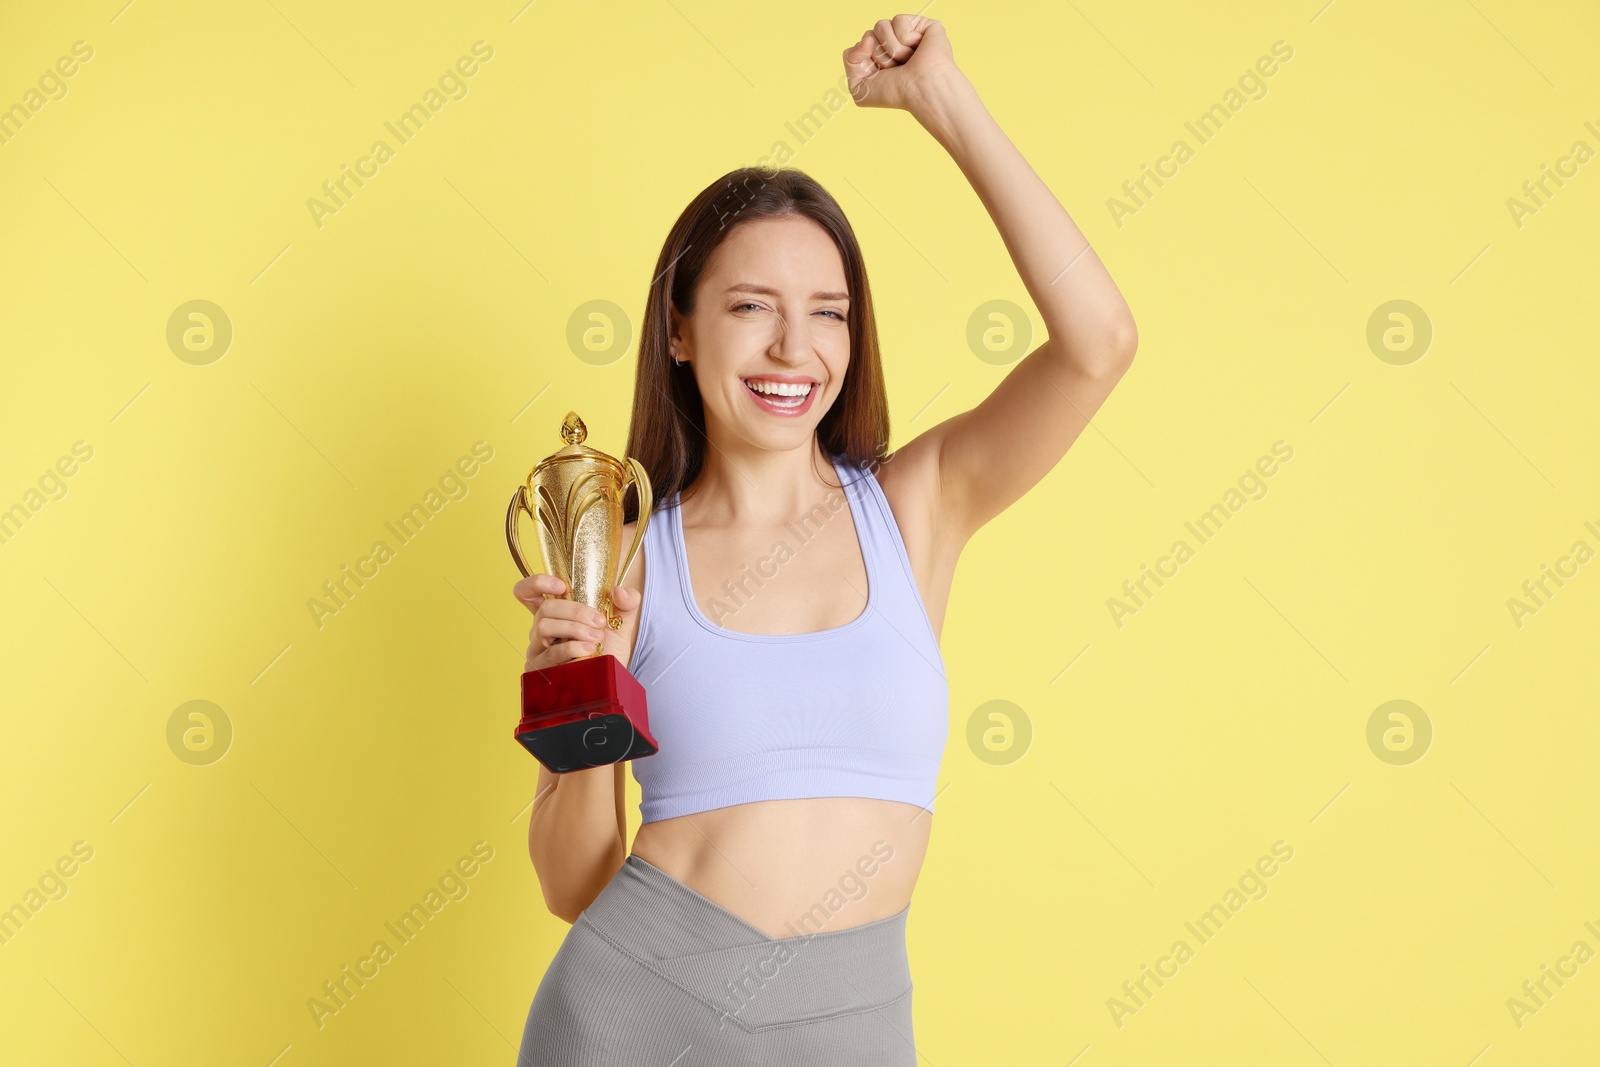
[757,981]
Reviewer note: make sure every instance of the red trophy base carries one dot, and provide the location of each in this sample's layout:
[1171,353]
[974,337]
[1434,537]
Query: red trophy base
[584,713]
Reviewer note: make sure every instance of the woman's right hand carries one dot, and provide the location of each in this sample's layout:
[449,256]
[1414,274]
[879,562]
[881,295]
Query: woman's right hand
[563,629]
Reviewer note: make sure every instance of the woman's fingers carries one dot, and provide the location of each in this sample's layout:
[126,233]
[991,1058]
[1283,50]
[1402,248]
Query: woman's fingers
[908,29]
[545,594]
[533,589]
[572,611]
[566,629]
[561,652]
[625,599]
[546,631]
[563,630]
[890,52]
[859,65]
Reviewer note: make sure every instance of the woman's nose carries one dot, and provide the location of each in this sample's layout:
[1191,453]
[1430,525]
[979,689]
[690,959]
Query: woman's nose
[792,343]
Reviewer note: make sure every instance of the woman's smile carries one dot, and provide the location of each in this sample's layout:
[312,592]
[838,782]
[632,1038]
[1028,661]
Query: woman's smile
[782,395]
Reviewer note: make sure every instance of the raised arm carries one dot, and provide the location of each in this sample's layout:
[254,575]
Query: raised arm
[988,457]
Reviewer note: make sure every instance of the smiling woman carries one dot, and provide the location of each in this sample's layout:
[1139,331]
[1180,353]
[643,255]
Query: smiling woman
[802,735]
[761,294]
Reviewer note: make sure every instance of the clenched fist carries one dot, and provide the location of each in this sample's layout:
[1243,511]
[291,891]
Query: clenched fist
[899,63]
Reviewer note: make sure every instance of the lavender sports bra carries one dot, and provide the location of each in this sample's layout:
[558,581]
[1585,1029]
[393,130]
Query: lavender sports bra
[859,710]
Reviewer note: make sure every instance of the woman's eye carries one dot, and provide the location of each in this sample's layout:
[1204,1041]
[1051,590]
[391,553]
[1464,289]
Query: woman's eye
[741,307]
[835,314]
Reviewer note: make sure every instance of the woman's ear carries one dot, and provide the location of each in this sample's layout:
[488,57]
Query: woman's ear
[675,345]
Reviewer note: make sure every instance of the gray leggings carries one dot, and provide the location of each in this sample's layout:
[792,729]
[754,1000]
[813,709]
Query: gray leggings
[653,973]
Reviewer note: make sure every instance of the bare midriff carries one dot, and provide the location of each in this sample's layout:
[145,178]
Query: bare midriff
[792,867]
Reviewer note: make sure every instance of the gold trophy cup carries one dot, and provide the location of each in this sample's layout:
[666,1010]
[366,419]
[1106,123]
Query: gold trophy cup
[590,711]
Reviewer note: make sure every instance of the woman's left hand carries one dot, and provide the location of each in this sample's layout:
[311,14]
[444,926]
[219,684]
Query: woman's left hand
[899,63]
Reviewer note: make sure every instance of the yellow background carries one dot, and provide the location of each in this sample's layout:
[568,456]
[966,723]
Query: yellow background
[370,353]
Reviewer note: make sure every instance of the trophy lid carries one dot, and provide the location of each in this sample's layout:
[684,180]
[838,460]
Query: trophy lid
[573,432]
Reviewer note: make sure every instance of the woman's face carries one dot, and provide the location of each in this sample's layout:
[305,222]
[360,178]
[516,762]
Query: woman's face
[771,313]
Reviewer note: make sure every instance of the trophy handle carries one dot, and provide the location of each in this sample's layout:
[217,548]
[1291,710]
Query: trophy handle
[641,483]
[519,502]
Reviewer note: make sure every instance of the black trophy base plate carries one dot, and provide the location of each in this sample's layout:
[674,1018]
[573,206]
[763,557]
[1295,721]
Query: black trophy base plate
[583,743]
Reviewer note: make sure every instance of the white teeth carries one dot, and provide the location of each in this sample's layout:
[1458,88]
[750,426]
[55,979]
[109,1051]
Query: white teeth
[779,388]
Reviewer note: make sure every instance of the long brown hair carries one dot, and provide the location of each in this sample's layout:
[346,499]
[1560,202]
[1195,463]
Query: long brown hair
[667,434]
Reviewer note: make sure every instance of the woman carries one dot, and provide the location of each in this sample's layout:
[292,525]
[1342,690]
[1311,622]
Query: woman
[793,581]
